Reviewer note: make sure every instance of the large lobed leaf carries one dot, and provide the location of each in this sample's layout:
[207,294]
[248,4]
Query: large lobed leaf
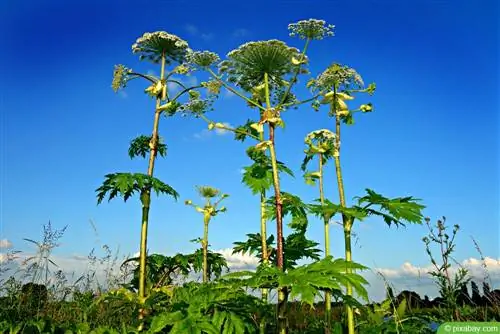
[127,184]
[394,211]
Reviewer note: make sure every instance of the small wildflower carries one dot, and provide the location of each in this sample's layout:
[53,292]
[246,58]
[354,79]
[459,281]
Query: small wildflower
[311,29]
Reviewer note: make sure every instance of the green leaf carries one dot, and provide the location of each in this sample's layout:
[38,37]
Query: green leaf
[291,205]
[162,320]
[259,176]
[242,131]
[140,147]
[394,211]
[127,184]
[329,210]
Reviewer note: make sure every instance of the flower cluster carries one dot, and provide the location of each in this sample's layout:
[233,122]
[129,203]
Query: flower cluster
[320,142]
[152,46]
[202,58]
[213,86]
[337,75]
[120,77]
[247,65]
[311,29]
[195,106]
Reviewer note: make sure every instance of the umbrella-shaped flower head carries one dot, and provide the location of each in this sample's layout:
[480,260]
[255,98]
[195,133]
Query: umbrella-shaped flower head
[202,58]
[339,76]
[152,46]
[247,65]
[311,29]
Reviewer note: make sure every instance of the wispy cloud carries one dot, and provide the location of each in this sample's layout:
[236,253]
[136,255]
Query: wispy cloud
[191,29]
[207,37]
[122,94]
[240,33]
[4,243]
[195,31]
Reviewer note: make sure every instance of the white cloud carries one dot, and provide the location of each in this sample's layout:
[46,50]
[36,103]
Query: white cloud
[194,31]
[207,37]
[122,94]
[191,29]
[240,32]
[4,243]
[239,260]
[411,277]
[475,267]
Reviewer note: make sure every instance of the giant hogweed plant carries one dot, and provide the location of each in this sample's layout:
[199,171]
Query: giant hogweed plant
[213,197]
[163,49]
[337,85]
[320,144]
[264,73]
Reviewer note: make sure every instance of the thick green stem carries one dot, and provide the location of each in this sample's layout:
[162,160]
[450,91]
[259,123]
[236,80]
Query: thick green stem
[328,297]
[146,198]
[204,244]
[281,307]
[263,234]
[347,222]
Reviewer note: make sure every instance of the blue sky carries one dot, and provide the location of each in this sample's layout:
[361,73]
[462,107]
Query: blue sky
[433,135]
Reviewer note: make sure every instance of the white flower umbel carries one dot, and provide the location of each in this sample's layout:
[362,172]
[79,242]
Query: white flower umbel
[151,46]
[311,29]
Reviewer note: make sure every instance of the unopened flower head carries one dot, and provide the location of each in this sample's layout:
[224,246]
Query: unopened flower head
[320,141]
[322,135]
[202,58]
[247,65]
[311,29]
[208,192]
[339,75]
[152,46]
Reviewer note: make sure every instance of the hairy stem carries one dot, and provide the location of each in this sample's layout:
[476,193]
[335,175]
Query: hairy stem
[328,297]
[204,245]
[281,307]
[347,222]
[263,229]
[146,200]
